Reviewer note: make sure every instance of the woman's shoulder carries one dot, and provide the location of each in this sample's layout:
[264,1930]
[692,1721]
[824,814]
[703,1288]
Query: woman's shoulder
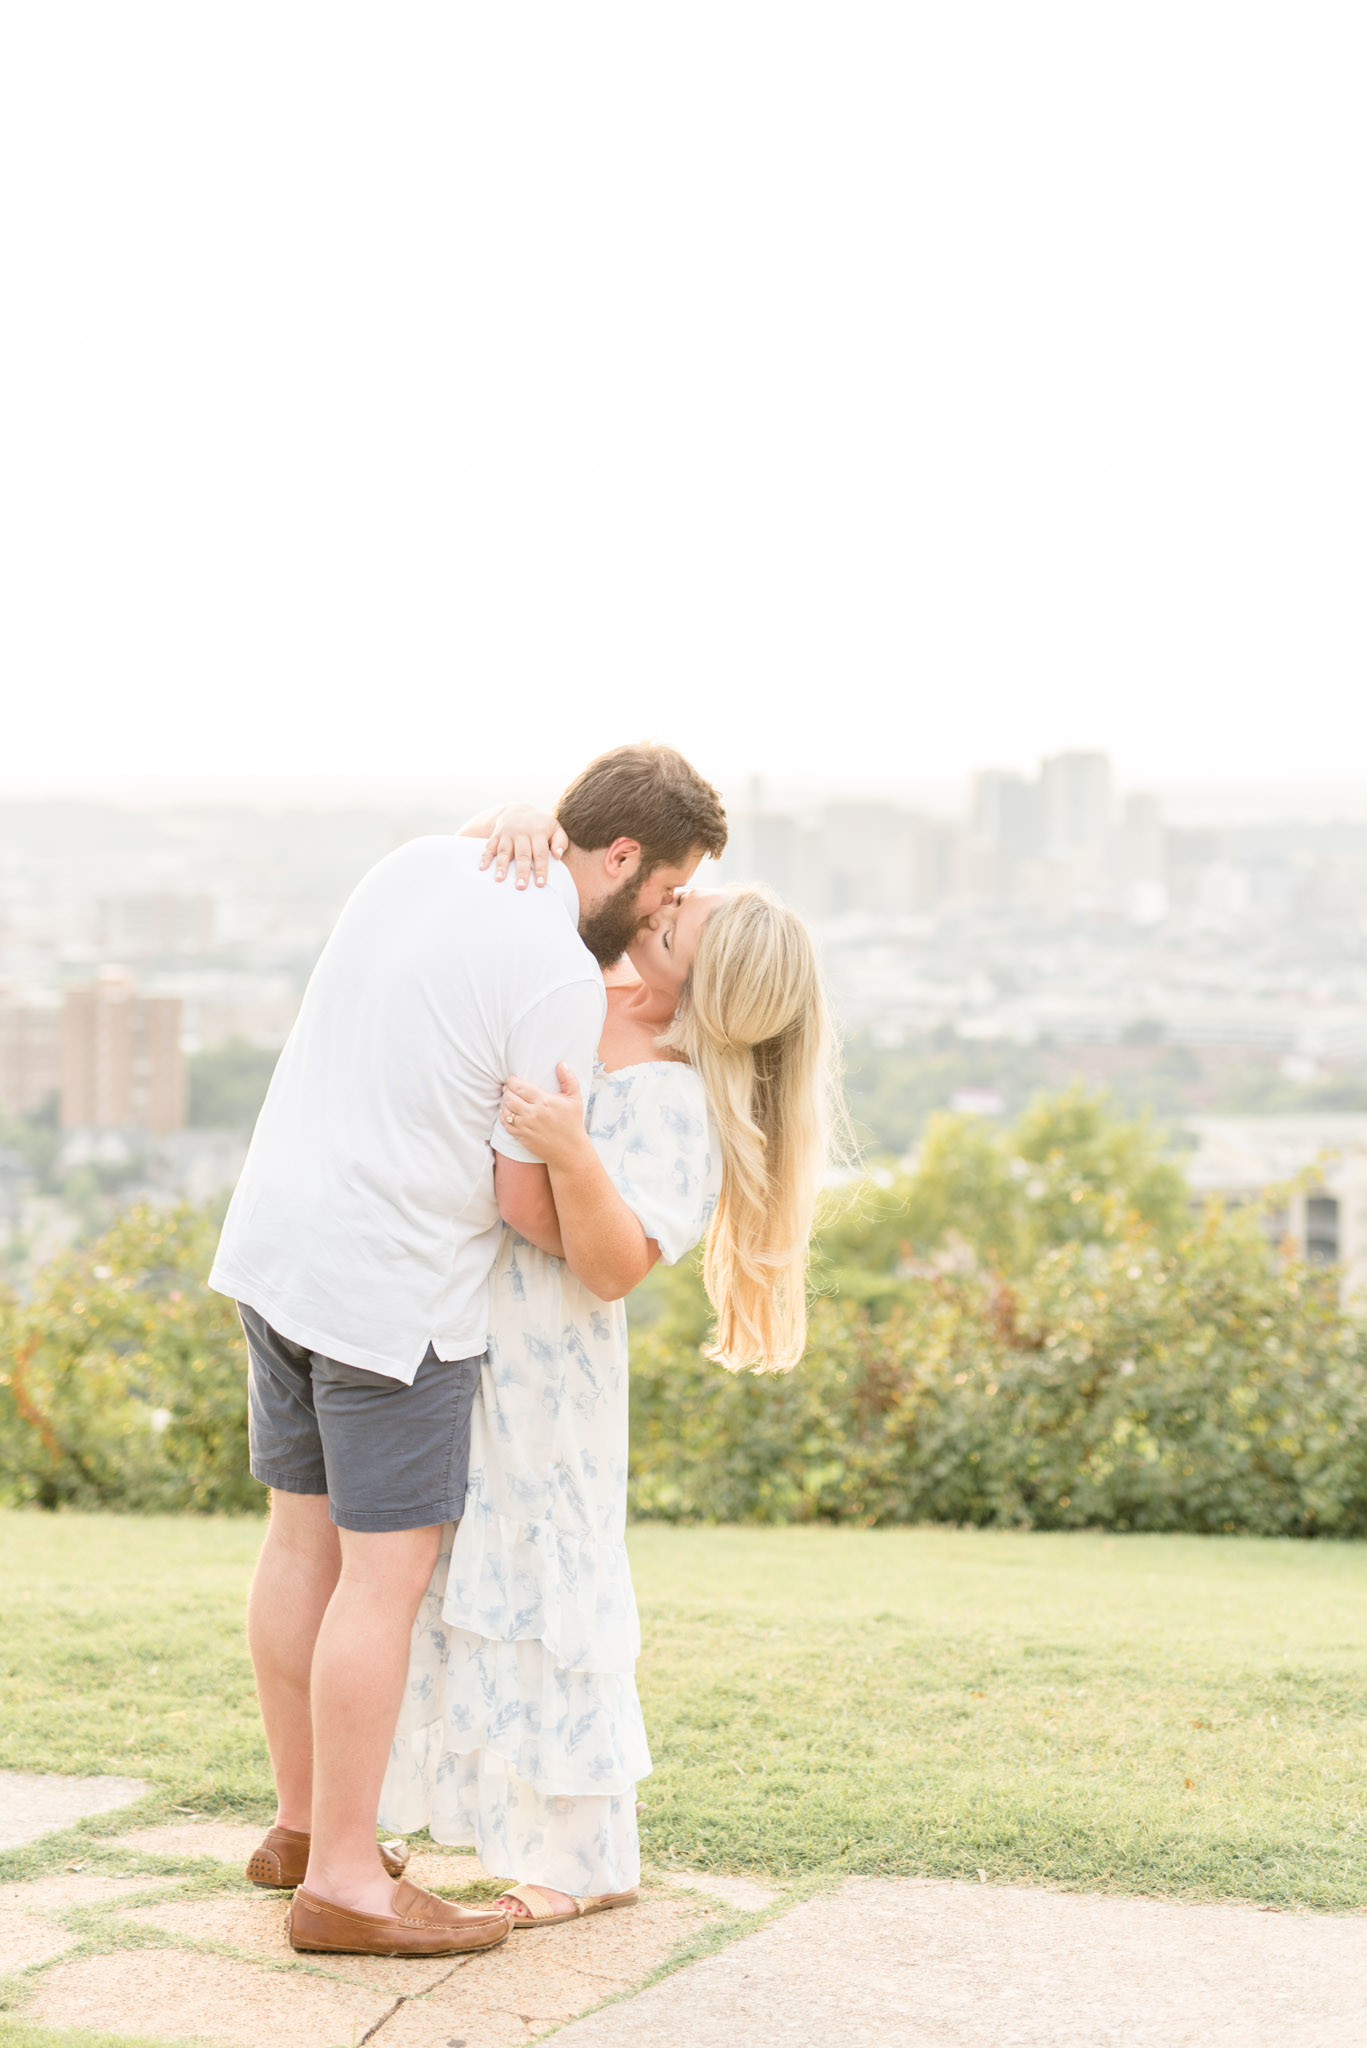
[653,1086]
[661,1072]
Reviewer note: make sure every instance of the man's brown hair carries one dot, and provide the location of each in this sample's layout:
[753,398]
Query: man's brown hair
[649,793]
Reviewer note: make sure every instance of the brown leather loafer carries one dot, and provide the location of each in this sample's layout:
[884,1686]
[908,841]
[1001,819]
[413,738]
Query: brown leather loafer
[420,1925]
[279,1864]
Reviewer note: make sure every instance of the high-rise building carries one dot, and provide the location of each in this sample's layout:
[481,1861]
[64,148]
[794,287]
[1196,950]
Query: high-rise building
[867,858]
[30,1050]
[784,851]
[148,926]
[122,1064]
[1139,841]
[773,852]
[1006,812]
[1076,801]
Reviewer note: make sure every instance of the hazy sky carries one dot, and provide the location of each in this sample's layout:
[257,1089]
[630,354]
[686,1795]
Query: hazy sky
[392,395]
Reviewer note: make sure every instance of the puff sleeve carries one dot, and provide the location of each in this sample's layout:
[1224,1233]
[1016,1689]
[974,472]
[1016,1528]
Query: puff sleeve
[659,1145]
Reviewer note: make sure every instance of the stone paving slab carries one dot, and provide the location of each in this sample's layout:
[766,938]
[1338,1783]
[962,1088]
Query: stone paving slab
[227,1842]
[256,1927]
[25,1940]
[739,1892]
[77,1888]
[447,1870]
[170,1995]
[221,1841]
[540,1978]
[38,1803]
[501,1999]
[924,1964]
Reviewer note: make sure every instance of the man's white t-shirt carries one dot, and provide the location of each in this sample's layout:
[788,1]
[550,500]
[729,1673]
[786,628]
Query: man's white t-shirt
[364,1225]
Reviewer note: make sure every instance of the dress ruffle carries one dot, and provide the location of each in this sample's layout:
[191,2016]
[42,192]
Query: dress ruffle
[521,1582]
[585,1844]
[565,1733]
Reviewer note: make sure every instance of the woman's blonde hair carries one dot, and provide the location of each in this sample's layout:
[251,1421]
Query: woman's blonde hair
[753,1021]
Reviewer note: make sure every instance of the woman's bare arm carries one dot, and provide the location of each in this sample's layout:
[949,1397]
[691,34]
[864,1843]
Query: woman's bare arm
[522,834]
[605,1245]
[526,1203]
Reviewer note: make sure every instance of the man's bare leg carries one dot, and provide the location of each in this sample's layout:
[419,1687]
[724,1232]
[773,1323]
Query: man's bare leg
[360,1661]
[296,1575]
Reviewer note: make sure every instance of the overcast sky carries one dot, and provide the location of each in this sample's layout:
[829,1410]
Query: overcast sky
[392,396]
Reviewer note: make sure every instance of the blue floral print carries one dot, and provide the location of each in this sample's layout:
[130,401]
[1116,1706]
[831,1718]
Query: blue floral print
[521,1730]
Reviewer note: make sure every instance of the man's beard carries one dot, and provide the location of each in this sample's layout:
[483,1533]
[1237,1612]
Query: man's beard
[610,929]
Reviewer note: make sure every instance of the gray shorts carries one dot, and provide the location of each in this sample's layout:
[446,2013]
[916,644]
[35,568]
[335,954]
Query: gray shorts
[387,1456]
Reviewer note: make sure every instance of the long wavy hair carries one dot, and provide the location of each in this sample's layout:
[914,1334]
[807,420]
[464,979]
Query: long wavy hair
[754,1022]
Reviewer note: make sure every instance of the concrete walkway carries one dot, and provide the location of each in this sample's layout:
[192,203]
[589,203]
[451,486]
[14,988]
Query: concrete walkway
[875,1964]
[37,1803]
[922,1964]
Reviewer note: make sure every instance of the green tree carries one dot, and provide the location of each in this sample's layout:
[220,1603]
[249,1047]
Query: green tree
[1089,1169]
[228,1083]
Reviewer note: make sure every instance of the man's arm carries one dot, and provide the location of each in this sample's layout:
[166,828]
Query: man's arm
[564,1025]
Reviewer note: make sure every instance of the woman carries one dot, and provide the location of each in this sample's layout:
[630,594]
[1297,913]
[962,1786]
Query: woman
[521,1730]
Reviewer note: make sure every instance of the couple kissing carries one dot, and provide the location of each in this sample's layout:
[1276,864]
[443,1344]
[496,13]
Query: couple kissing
[503,1101]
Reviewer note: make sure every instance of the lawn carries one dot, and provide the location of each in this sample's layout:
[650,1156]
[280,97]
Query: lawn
[1162,1714]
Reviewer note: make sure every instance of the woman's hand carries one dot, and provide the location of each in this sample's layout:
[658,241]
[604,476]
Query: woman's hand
[552,1126]
[528,837]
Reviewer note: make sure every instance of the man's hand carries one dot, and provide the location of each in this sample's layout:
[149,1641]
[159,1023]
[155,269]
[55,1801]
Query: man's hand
[529,838]
[552,1126]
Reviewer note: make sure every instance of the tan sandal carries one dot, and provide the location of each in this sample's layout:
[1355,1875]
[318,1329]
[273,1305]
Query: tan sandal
[541,1913]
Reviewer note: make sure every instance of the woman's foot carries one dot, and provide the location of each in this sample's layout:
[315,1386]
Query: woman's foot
[536,1905]
[518,1909]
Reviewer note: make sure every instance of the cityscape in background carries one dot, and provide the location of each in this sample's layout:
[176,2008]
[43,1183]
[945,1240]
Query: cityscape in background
[1056,928]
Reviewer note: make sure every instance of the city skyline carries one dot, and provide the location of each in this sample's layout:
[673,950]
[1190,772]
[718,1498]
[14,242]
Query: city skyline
[1033,928]
[1232,800]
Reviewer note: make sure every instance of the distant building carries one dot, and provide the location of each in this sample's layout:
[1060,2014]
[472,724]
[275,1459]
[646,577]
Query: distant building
[1006,813]
[122,1064]
[30,1050]
[977,1102]
[146,927]
[787,853]
[1048,845]
[1076,801]
[868,858]
[1240,1157]
[1139,845]
[774,852]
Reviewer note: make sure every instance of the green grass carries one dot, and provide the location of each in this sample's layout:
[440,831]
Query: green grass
[121,1649]
[1160,1714]
[18,2034]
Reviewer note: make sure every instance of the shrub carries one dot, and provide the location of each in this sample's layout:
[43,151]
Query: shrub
[1118,1386]
[1031,1329]
[122,1380]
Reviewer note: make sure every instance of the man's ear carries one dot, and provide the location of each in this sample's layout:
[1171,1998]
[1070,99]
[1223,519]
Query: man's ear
[622,859]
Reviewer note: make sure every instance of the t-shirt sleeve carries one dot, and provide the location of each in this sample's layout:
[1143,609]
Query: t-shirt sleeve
[563,1026]
[669,1172]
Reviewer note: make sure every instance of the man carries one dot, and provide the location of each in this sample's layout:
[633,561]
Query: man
[358,1246]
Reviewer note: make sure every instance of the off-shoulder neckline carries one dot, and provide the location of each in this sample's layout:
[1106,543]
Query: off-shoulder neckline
[633,1065]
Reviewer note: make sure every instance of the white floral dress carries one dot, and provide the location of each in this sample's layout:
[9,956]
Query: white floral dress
[521,1731]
